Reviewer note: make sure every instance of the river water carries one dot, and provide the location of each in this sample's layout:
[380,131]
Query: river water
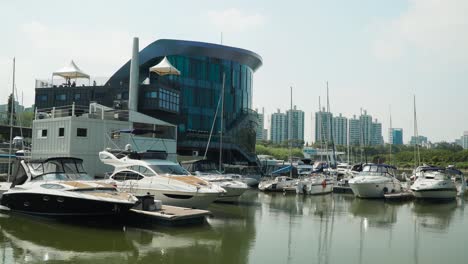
[262,228]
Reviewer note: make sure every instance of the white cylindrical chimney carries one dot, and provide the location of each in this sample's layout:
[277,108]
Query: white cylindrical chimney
[134,78]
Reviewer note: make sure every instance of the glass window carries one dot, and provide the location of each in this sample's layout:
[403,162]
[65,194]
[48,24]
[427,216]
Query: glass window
[77,97]
[169,169]
[42,133]
[151,95]
[81,132]
[60,97]
[42,97]
[61,132]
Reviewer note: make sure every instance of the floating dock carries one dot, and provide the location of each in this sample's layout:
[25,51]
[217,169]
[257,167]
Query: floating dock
[401,196]
[342,189]
[169,215]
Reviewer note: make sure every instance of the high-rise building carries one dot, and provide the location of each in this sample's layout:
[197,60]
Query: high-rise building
[278,127]
[463,141]
[261,124]
[376,133]
[420,140]
[340,130]
[395,136]
[365,121]
[323,121]
[265,134]
[297,126]
[354,131]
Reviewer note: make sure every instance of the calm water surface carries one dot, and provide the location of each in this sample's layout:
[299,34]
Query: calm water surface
[263,228]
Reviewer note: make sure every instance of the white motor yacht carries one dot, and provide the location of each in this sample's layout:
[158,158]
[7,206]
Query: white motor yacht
[234,189]
[433,183]
[167,181]
[374,181]
[59,187]
[315,184]
[277,184]
[208,167]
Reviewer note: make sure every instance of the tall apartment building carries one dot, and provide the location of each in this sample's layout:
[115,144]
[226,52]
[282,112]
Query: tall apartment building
[323,121]
[278,127]
[376,133]
[463,141]
[354,131]
[297,125]
[395,136]
[340,130]
[420,140]
[261,125]
[365,121]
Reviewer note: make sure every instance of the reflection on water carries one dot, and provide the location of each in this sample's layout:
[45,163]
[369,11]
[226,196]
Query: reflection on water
[262,228]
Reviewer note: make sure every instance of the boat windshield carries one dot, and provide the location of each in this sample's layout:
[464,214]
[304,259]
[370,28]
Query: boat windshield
[59,169]
[376,170]
[169,169]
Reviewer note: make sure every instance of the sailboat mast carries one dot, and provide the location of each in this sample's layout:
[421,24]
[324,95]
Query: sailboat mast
[12,107]
[391,132]
[290,135]
[320,135]
[417,157]
[221,129]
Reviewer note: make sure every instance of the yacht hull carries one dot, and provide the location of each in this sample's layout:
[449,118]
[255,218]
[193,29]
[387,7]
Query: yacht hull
[177,198]
[373,190]
[438,193]
[232,194]
[274,187]
[61,206]
[314,188]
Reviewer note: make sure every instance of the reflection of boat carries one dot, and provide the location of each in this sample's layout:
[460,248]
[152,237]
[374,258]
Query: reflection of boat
[374,181]
[166,180]
[433,183]
[434,215]
[38,240]
[59,187]
[376,212]
[277,184]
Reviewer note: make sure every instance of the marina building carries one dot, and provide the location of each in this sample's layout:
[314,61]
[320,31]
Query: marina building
[188,100]
[340,130]
[323,121]
[278,130]
[296,117]
[82,132]
[395,136]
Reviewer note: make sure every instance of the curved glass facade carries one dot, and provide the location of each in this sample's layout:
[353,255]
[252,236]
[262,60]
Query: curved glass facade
[200,85]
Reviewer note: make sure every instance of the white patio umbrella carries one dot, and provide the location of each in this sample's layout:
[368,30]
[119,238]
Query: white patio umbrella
[70,72]
[165,68]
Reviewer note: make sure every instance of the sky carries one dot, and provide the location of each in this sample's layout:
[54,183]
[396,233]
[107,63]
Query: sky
[375,54]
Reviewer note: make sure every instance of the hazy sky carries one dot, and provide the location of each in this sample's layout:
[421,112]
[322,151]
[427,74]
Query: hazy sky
[373,53]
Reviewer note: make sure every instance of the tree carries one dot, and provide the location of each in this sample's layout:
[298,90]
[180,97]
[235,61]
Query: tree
[10,104]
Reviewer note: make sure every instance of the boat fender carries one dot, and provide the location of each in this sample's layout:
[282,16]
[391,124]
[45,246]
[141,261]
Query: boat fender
[385,190]
[324,184]
[304,188]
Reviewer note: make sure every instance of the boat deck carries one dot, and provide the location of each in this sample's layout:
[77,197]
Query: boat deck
[401,196]
[171,215]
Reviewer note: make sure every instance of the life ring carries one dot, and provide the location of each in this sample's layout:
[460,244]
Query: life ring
[324,184]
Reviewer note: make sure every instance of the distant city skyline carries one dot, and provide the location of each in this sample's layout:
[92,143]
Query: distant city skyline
[373,54]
